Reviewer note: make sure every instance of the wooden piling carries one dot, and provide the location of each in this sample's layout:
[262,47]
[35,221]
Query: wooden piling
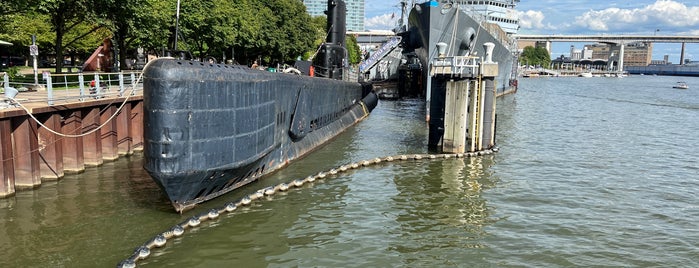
[456,116]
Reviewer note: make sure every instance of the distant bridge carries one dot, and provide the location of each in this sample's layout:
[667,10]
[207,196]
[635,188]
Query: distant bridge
[610,38]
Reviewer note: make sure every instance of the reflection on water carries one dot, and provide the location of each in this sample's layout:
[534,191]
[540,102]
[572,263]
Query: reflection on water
[591,172]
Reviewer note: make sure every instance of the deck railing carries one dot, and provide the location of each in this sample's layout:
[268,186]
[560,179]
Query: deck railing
[70,87]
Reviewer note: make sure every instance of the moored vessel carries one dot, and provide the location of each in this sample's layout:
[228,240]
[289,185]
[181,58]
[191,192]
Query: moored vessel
[212,128]
[463,27]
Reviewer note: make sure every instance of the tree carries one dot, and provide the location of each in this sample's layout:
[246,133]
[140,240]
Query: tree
[136,23]
[68,18]
[537,56]
[10,7]
[353,51]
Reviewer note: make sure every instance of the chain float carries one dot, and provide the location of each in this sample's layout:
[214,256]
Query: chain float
[142,252]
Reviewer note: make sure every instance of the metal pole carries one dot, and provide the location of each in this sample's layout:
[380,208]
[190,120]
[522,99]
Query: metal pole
[49,90]
[36,75]
[177,24]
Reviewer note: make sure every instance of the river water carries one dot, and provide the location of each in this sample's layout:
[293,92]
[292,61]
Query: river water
[591,172]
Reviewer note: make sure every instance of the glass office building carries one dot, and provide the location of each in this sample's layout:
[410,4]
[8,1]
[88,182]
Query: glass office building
[355,12]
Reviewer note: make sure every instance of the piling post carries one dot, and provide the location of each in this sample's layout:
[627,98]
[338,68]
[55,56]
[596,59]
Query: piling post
[456,116]
[73,159]
[92,143]
[50,148]
[489,71]
[7,172]
[137,125]
[123,131]
[26,153]
[110,150]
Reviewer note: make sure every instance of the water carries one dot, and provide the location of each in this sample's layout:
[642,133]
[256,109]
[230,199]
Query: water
[591,172]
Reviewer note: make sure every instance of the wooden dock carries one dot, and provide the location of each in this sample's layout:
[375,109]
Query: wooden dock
[42,142]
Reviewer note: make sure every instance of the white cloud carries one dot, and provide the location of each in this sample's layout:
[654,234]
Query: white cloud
[661,14]
[531,19]
[381,22]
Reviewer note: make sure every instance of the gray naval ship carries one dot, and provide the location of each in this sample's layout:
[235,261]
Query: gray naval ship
[212,128]
[461,28]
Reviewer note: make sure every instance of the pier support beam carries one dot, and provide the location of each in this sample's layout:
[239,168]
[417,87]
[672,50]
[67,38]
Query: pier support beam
[26,153]
[92,143]
[73,159]
[456,116]
[137,125]
[50,148]
[110,146]
[489,107]
[7,172]
[123,131]
[682,53]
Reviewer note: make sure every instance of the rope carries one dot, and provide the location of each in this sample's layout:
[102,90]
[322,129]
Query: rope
[133,89]
[142,252]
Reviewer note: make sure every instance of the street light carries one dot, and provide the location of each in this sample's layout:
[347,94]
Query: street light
[656,31]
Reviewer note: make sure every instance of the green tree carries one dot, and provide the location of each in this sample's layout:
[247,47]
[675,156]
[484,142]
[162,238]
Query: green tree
[71,20]
[9,7]
[318,25]
[353,51]
[135,23]
[538,56]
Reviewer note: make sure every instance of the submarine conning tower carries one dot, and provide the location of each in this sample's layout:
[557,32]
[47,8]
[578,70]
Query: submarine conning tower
[332,56]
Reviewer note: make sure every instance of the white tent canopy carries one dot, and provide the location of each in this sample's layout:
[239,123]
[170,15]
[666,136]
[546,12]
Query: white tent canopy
[3,43]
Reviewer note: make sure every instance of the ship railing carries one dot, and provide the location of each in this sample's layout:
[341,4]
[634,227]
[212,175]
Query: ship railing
[455,66]
[52,89]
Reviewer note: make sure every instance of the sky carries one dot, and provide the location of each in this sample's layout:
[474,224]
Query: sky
[661,17]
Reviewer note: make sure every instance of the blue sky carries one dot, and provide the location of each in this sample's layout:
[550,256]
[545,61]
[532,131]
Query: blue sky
[662,17]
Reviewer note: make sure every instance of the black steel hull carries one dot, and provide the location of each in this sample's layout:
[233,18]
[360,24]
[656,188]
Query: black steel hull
[212,128]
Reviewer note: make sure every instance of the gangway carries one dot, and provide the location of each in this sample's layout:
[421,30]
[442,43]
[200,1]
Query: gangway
[379,54]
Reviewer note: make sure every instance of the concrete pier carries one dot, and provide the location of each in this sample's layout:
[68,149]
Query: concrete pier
[463,103]
[32,152]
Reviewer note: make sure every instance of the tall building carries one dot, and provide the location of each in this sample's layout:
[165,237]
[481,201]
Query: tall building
[638,54]
[355,12]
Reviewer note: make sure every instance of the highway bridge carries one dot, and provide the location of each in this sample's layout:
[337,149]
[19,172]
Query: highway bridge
[610,38]
[618,39]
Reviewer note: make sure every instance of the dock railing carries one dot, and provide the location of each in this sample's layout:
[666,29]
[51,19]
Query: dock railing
[455,66]
[70,87]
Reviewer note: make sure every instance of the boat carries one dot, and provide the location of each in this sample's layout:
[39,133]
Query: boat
[212,128]
[464,26]
[681,85]
[585,74]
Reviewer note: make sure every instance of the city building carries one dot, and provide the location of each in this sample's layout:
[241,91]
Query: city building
[638,54]
[355,12]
